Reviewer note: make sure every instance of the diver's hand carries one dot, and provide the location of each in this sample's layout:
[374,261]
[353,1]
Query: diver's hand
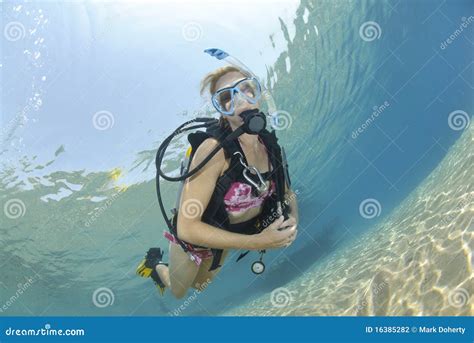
[291,221]
[279,234]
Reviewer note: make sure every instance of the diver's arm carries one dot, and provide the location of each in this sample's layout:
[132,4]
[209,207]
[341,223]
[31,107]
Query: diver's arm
[197,192]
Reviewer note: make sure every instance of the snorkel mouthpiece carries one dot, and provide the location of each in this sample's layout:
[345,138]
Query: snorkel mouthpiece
[254,121]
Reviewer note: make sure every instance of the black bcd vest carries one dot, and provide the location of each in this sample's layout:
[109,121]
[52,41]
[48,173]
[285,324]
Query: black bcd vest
[215,213]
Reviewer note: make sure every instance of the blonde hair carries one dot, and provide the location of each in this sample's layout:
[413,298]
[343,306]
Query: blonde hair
[210,80]
[209,83]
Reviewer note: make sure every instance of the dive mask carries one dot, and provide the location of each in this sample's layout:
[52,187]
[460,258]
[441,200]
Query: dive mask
[225,99]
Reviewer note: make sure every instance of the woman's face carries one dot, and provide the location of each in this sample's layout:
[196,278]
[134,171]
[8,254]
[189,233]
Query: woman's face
[240,105]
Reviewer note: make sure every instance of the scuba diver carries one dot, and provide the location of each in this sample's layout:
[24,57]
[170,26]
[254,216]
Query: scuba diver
[235,186]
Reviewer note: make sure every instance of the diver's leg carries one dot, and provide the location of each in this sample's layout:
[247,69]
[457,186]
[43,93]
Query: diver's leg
[204,276]
[180,273]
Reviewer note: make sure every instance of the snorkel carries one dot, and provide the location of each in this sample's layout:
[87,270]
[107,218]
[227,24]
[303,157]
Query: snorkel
[224,56]
[254,123]
[254,114]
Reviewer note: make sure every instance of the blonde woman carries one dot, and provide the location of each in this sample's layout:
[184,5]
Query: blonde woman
[234,92]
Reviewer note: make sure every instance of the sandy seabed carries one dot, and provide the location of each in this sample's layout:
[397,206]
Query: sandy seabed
[419,261]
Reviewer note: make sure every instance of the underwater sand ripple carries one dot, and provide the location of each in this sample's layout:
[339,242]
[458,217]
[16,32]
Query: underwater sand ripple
[419,261]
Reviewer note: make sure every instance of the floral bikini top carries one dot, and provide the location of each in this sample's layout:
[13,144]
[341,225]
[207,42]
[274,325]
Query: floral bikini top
[239,197]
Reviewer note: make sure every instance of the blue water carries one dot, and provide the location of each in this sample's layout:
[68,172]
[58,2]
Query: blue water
[85,187]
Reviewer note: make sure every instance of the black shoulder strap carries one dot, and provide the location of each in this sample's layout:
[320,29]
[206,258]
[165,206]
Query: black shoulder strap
[221,134]
[214,209]
[215,131]
[233,173]
[269,139]
[196,139]
[275,153]
[271,144]
[214,213]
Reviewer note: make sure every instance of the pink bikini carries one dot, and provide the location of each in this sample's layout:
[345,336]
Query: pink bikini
[237,199]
